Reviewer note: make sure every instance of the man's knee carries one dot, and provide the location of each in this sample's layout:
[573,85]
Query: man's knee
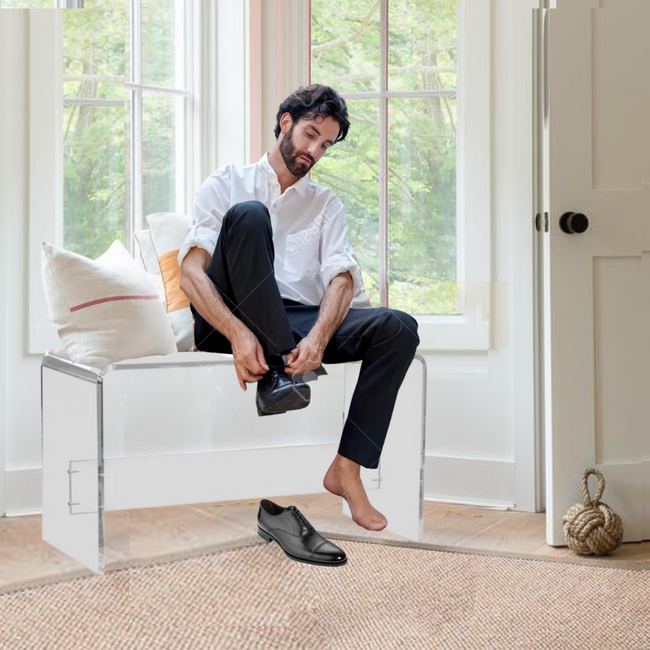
[248,214]
[409,332]
[401,325]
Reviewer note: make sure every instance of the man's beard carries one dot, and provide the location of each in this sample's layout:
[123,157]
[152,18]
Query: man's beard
[296,166]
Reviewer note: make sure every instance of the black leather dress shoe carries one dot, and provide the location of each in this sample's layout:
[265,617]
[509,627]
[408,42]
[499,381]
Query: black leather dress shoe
[296,536]
[277,392]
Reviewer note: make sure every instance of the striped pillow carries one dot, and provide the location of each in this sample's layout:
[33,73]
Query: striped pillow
[168,231]
[105,310]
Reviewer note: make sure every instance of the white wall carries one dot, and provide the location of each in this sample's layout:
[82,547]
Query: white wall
[480,420]
[481,436]
[20,422]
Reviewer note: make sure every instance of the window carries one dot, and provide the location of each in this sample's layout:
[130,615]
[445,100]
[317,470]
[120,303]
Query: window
[394,63]
[128,122]
[160,108]
[94,134]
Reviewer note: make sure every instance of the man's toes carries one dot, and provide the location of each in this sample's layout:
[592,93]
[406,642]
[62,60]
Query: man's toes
[378,524]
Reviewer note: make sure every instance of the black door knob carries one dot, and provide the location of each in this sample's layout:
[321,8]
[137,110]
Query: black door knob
[573,222]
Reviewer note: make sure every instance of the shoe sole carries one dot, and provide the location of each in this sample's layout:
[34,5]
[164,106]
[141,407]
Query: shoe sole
[293,401]
[269,538]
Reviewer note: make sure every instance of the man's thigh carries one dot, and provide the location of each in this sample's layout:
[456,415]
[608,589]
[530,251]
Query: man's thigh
[351,339]
[349,342]
[354,335]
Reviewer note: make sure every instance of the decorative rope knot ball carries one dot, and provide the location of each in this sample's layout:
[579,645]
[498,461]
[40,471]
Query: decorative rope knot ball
[592,527]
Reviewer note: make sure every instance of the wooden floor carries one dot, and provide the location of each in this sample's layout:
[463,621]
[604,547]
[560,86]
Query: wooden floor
[152,532]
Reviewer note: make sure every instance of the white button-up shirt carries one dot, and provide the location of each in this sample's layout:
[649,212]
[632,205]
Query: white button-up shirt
[309,229]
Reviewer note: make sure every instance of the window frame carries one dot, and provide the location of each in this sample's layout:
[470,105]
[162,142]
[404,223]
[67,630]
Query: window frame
[135,89]
[471,329]
[45,155]
[187,136]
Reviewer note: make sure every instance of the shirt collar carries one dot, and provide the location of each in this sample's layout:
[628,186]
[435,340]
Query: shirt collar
[299,185]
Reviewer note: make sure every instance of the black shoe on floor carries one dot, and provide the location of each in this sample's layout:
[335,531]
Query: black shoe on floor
[277,392]
[296,536]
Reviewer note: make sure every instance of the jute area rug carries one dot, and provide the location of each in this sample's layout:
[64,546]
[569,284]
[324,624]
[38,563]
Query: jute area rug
[248,594]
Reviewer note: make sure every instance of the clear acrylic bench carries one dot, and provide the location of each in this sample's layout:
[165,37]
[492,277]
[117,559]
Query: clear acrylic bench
[178,429]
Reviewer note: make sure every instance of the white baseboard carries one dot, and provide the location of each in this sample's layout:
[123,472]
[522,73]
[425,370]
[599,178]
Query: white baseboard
[467,481]
[23,492]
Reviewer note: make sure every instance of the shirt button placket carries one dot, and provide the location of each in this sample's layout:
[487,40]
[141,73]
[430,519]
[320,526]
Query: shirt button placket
[274,188]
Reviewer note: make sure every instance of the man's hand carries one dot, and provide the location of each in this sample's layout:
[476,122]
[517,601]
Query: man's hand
[248,355]
[307,355]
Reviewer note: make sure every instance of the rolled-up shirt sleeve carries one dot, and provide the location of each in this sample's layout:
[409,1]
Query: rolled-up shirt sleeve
[336,254]
[211,203]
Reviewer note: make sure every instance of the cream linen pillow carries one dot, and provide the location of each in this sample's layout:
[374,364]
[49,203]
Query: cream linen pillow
[149,262]
[105,310]
[168,231]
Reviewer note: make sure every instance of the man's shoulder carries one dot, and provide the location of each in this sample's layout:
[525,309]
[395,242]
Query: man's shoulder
[317,187]
[332,202]
[326,194]
[224,171]
[220,174]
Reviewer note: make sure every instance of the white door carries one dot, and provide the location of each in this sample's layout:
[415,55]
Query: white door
[597,280]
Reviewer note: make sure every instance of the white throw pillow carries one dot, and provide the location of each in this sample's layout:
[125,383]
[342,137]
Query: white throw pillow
[149,262]
[147,251]
[105,310]
[168,231]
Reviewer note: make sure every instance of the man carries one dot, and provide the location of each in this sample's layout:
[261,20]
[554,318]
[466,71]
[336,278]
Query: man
[269,271]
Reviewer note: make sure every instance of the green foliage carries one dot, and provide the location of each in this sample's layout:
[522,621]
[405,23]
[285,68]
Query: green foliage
[421,172]
[94,136]
[97,138]
[159,112]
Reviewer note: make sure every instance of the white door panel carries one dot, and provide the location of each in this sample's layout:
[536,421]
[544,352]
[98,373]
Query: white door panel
[597,282]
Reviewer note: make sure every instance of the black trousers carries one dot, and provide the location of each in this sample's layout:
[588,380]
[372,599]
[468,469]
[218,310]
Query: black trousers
[385,340]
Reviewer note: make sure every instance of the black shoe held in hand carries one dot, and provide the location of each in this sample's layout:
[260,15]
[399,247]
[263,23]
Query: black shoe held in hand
[296,536]
[277,392]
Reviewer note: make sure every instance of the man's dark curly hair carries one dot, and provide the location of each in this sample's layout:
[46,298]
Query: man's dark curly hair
[309,101]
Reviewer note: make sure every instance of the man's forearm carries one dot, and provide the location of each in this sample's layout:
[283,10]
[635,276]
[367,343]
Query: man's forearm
[333,308]
[207,301]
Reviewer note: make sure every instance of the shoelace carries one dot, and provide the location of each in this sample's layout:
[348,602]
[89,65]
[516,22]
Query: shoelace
[301,518]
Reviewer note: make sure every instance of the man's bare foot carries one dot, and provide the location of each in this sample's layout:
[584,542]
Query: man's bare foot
[342,479]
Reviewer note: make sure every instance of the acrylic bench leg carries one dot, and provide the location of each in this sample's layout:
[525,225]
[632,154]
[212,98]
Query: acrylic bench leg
[396,487]
[73,481]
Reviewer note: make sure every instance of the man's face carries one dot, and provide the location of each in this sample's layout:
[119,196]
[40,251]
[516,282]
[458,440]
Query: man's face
[308,138]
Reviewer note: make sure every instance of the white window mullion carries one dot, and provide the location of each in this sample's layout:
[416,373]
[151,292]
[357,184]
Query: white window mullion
[193,49]
[136,159]
[162,90]
[76,101]
[135,220]
[181,144]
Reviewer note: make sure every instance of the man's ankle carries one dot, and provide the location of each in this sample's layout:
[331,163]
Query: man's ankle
[275,361]
[346,465]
